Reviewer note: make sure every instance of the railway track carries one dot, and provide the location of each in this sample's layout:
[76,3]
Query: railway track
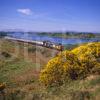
[46,44]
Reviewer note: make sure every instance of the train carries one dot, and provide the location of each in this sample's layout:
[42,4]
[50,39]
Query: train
[52,45]
[47,43]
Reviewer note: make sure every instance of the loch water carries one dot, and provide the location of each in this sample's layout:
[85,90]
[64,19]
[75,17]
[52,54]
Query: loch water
[34,36]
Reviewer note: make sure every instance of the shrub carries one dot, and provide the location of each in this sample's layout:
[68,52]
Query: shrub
[53,72]
[72,64]
[58,69]
[92,50]
[5,54]
[89,56]
[2,86]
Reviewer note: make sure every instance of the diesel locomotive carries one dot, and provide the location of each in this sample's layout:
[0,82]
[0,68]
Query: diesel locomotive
[53,45]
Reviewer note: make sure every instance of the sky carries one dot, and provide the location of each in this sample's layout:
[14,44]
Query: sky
[50,15]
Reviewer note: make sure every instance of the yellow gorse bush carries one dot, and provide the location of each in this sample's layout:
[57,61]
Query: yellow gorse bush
[53,72]
[72,64]
[89,56]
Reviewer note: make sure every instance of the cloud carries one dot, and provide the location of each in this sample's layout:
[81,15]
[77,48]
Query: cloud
[25,11]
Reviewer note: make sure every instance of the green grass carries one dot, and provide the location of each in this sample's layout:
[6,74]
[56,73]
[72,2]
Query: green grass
[30,88]
[73,90]
[13,67]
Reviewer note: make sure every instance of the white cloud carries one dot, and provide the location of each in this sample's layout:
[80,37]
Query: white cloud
[25,11]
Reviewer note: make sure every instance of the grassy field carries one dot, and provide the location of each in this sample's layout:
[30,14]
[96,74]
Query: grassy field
[21,74]
[19,70]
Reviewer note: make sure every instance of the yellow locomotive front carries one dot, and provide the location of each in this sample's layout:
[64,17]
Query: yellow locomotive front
[59,47]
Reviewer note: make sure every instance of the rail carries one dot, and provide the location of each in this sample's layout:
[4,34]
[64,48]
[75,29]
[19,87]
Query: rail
[38,43]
